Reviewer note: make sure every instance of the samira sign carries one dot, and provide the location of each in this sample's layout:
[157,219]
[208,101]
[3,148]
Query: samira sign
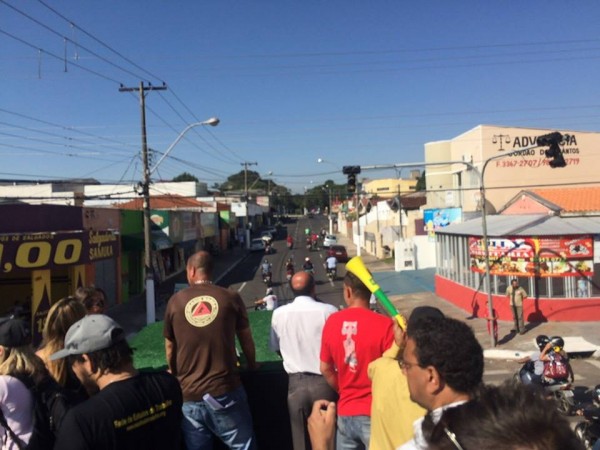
[545,257]
[52,250]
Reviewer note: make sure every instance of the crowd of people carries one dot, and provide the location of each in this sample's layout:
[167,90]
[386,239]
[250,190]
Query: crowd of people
[356,379]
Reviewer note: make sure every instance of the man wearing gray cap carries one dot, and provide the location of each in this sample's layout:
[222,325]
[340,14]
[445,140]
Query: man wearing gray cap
[131,410]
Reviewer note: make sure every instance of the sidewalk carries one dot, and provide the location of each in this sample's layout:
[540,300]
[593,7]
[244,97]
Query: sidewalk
[132,315]
[412,288]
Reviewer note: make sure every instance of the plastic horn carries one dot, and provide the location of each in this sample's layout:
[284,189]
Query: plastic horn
[357,267]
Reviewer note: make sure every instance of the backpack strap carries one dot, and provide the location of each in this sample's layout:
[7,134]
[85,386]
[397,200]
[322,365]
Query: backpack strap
[16,439]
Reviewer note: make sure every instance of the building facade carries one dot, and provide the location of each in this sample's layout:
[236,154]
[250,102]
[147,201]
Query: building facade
[456,185]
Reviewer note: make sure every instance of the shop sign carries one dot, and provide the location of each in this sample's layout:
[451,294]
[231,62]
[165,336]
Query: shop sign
[546,257]
[37,251]
[437,218]
[536,157]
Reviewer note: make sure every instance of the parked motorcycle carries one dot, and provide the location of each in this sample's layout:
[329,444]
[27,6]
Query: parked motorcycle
[588,431]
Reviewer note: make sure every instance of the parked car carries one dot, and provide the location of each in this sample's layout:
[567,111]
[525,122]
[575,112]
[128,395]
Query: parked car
[329,240]
[339,251]
[257,245]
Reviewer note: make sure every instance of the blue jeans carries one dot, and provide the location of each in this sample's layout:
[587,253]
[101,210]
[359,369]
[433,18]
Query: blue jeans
[353,432]
[232,423]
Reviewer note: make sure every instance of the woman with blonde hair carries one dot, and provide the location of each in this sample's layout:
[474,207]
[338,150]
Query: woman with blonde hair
[61,316]
[20,371]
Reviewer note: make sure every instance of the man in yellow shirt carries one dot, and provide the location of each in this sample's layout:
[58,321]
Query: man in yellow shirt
[392,410]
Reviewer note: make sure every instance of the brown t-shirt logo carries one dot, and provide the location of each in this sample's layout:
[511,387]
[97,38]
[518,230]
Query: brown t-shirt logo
[201,311]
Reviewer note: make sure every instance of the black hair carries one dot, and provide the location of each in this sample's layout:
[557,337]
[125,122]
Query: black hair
[450,346]
[358,287]
[111,359]
[505,417]
[203,261]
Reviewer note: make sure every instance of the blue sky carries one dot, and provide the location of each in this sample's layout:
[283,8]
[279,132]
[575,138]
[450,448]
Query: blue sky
[351,82]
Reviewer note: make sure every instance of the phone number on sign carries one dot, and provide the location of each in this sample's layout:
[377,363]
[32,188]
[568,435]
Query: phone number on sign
[540,162]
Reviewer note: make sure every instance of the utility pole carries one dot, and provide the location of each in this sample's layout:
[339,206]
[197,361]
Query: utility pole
[246,164]
[150,294]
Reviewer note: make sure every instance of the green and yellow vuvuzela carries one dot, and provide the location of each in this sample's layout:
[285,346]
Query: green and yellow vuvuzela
[357,267]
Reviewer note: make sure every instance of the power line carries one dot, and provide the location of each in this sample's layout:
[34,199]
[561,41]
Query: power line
[41,50]
[99,41]
[46,27]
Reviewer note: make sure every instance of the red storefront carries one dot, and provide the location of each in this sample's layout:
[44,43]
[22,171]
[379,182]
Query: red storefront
[555,259]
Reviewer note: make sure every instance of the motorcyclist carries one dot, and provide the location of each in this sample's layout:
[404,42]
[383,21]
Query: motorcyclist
[314,240]
[534,367]
[268,302]
[290,241]
[289,266]
[308,265]
[554,352]
[266,267]
[331,264]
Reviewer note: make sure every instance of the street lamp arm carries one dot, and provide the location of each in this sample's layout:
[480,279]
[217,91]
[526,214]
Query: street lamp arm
[213,122]
[480,174]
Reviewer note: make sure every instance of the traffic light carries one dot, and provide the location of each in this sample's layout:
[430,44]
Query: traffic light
[557,158]
[352,183]
[552,140]
[351,171]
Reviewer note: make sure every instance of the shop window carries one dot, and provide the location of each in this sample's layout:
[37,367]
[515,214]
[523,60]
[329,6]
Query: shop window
[595,284]
[558,287]
[540,287]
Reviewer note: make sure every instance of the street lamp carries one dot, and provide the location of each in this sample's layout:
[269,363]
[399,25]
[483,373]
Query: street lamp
[150,294]
[328,189]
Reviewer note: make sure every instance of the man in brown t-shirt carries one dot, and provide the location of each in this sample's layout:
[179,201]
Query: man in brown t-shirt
[200,326]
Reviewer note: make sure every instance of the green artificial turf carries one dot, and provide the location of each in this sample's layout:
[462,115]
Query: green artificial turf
[149,346]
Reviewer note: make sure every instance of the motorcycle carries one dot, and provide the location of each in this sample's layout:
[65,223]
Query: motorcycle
[268,249]
[560,389]
[588,431]
[289,273]
[331,273]
[267,279]
[310,269]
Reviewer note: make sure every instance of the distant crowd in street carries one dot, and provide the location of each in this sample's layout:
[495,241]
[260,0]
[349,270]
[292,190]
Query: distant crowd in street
[356,378]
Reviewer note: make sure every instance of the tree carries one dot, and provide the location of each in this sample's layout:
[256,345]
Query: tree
[421,186]
[185,176]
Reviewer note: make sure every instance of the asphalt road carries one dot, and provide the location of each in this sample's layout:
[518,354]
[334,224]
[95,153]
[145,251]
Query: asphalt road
[246,278]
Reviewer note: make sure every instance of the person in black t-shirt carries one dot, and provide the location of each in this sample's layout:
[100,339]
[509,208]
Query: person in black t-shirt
[131,410]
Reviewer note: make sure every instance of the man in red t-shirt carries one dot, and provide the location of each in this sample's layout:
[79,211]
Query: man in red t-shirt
[352,338]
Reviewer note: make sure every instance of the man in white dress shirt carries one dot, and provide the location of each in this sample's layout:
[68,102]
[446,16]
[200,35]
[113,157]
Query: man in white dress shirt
[296,330]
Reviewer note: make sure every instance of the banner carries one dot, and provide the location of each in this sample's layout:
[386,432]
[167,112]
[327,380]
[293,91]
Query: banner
[545,257]
[37,251]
